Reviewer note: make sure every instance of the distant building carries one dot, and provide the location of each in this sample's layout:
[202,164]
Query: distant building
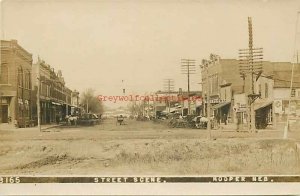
[177,101]
[75,100]
[55,97]
[45,86]
[195,102]
[15,84]
[67,105]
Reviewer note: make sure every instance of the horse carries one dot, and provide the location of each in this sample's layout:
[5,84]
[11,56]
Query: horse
[72,120]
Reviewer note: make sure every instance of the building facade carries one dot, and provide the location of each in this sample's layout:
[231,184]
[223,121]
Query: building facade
[15,84]
[283,94]
[75,103]
[41,75]
[228,91]
[55,97]
[220,80]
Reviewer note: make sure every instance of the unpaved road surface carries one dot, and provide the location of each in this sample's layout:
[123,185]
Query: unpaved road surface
[146,148]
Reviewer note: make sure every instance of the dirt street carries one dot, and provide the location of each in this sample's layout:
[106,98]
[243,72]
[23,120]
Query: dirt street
[146,148]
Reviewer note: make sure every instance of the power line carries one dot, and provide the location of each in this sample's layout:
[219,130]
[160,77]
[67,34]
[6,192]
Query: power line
[188,67]
[250,61]
[276,79]
[169,87]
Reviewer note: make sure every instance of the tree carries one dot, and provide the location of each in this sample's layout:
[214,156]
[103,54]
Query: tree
[135,108]
[90,102]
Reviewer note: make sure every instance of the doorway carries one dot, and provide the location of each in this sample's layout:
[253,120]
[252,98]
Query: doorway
[4,113]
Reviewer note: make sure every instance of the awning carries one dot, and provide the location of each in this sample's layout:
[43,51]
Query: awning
[54,103]
[262,105]
[219,105]
[172,110]
[160,108]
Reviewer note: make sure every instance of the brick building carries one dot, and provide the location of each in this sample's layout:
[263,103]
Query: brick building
[228,91]
[15,84]
[221,79]
[55,97]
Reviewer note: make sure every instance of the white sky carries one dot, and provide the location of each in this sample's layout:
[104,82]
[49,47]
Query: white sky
[97,44]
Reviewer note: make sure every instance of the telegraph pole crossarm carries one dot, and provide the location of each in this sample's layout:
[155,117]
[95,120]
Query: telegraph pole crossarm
[169,87]
[188,67]
[250,63]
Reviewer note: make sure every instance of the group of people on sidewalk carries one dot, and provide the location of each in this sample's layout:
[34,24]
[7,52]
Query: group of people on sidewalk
[219,119]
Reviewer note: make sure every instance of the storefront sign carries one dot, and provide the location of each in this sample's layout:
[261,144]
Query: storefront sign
[278,106]
[240,108]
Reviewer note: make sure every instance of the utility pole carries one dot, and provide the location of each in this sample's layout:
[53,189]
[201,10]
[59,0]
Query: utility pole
[188,67]
[169,87]
[285,134]
[204,66]
[250,61]
[38,103]
[87,105]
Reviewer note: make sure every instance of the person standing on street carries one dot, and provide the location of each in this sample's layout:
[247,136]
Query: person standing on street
[225,118]
[238,121]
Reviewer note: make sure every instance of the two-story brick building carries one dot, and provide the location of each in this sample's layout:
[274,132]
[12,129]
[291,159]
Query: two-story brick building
[55,97]
[15,84]
[220,80]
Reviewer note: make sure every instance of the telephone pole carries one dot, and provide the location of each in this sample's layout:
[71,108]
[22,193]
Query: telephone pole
[250,61]
[295,55]
[188,67]
[205,66]
[169,87]
[38,103]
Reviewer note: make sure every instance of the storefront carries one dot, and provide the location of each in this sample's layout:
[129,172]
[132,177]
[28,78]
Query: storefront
[45,112]
[4,109]
[56,112]
[222,111]
[281,109]
[263,114]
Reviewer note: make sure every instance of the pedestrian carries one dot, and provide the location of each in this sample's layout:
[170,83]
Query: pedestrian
[238,121]
[57,118]
[225,118]
[218,119]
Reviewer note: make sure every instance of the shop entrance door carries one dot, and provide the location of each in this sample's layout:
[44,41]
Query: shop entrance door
[4,113]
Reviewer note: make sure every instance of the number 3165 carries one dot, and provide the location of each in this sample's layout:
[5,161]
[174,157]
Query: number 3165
[9,180]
